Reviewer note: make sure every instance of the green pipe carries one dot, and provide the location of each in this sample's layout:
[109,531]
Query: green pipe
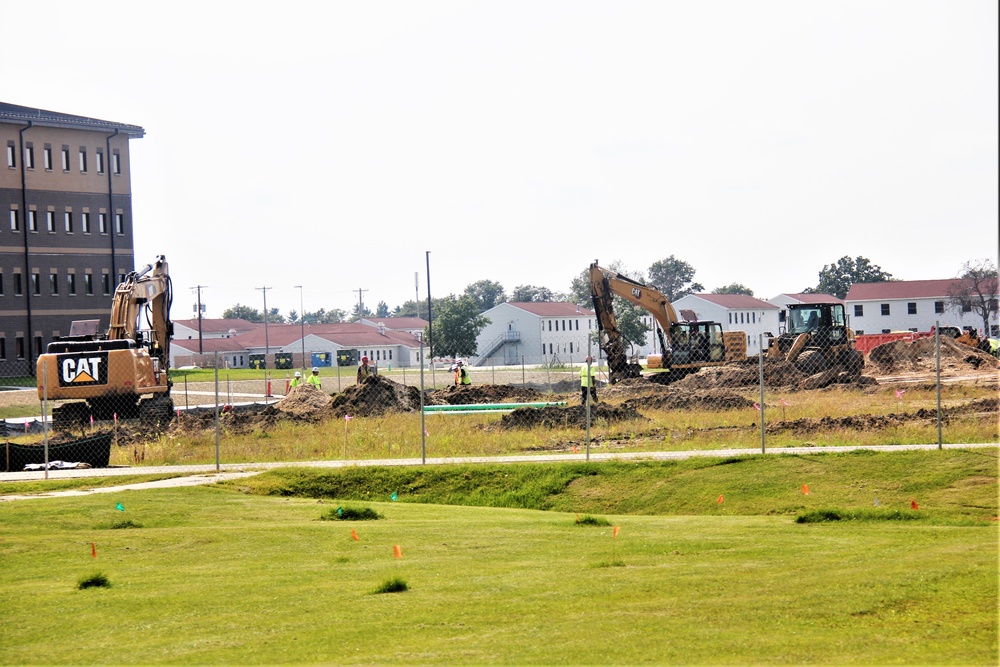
[488,406]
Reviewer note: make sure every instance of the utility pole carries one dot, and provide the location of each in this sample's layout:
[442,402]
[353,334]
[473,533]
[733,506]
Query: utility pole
[302,321]
[430,311]
[199,288]
[361,304]
[266,344]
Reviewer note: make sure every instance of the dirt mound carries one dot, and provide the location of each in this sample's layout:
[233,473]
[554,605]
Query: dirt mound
[777,373]
[684,399]
[375,396]
[920,355]
[304,401]
[574,416]
[633,388]
[485,393]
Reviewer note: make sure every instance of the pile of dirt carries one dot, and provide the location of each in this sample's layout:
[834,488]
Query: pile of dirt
[921,356]
[777,373]
[375,396]
[574,416]
[304,401]
[633,388]
[486,393]
[684,399]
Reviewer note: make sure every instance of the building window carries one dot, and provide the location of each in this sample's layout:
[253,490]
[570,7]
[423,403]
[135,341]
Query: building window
[550,325]
[939,307]
[966,305]
[32,220]
[571,347]
[102,223]
[11,155]
[54,283]
[99,160]
[116,162]
[36,283]
[550,348]
[50,221]
[88,283]
[730,318]
[38,345]
[68,219]
[911,308]
[83,160]
[19,347]
[18,287]
[65,158]
[578,325]
[29,156]
[859,332]
[119,223]
[15,221]
[106,282]
[859,310]
[886,331]
[85,222]
[3,349]
[47,157]
[753,316]
[1,282]
[885,311]
[71,284]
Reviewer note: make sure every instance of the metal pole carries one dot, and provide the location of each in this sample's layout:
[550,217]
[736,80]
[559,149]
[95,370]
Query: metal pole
[430,319]
[216,364]
[45,410]
[937,367]
[760,354]
[266,343]
[302,321]
[589,380]
[423,428]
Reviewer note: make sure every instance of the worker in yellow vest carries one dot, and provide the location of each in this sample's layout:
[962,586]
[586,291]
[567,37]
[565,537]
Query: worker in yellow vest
[463,374]
[296,381]
[314,379]
[588,381]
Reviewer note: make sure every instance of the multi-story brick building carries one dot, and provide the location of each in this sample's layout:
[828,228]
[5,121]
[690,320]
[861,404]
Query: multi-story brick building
[66,226]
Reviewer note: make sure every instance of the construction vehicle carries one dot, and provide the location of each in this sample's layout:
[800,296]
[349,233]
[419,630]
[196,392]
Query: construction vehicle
[687,346]
[121,374]
[817,338]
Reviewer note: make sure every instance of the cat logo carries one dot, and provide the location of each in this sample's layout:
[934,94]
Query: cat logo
[83,370]
[636,292]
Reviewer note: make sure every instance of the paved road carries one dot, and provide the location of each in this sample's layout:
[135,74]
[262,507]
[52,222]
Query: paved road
[208,474]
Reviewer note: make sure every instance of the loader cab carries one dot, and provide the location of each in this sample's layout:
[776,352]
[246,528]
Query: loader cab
[697,341]
[827,322]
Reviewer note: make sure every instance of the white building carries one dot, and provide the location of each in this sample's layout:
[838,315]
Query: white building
[910,305]
[735,312]
[534,333]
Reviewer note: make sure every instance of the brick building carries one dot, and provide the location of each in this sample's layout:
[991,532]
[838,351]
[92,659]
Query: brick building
[66,227]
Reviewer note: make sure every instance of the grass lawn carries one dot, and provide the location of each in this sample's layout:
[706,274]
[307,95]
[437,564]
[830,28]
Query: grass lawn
[250,573]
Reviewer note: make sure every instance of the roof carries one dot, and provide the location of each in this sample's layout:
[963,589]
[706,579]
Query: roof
[350,334]
[813,297]
[736,301]
[903,289]
[208,345]
[13,113]
[220,325]
[551,308]
[397,323]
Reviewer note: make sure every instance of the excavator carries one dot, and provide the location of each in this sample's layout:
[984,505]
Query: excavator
[817,338]
[121,374]
[687,346]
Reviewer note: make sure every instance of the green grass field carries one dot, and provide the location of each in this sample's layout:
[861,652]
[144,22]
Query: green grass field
[519,564]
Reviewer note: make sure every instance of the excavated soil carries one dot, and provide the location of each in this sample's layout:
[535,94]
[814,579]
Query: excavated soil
[375,396]
[574,416]
[487,393]
[920,356]
[683,399]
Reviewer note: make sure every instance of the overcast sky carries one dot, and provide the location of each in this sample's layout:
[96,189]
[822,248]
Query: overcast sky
[330,145]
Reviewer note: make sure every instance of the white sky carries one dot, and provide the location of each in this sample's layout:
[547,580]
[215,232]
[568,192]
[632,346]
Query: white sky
[332,144]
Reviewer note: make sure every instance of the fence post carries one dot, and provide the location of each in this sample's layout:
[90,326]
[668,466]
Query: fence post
[45,409]
[216,365]
[937,372]
[523,383]
[590,389]
[760,354]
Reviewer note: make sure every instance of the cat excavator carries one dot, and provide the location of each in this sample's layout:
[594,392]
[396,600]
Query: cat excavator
[687,346]
[121,374]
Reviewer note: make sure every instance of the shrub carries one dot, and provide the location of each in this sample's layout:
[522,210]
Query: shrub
[351,514]
[97,580]
[394,585]
[588,520]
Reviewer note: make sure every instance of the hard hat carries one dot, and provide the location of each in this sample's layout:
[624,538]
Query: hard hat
[298,374]
[459,362]
[315,369]
[364,358]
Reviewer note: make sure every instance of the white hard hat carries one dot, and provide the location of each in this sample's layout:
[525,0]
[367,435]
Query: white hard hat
[315,369]
[298,374]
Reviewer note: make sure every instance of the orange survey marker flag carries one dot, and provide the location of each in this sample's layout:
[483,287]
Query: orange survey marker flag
[805,489]
[354,535]
[93,550]
[396,551]
[913,505]
[615,533]
[719,501]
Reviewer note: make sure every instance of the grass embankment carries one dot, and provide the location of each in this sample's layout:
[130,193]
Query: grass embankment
[209,575]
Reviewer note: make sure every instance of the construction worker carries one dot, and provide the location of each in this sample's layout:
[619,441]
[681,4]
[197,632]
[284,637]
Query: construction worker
[296,381]
[364,370]
[462,374]
[314,378]
[588,380]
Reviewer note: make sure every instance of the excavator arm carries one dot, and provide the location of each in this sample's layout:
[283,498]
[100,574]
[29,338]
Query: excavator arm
[149,289]
[604,285]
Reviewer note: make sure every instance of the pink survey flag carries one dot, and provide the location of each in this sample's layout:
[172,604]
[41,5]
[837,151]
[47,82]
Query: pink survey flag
[784,402]
[900,392]
[756,406]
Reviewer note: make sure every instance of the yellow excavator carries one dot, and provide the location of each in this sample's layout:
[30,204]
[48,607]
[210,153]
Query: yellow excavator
[817,338]
[121,374]
[687,346]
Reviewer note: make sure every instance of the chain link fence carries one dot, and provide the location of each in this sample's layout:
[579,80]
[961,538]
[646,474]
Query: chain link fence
[907,391]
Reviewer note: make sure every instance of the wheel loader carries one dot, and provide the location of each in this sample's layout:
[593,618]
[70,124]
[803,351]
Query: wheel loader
[817,338]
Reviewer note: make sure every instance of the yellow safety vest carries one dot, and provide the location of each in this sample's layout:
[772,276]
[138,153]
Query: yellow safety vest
[587,380]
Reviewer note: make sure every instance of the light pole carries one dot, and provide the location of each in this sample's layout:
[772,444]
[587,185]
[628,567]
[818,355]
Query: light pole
[266,343]
[302,321]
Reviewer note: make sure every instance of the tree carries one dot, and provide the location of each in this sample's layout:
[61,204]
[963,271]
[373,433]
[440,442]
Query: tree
[356,315]
[579,289]
[274,317]
[457,323]
[628,315]
[241,312]
[836,279]
[324,316]
[733,288]
[382,309]
[673,277]
[486,294]
[977,292]
[527,293]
